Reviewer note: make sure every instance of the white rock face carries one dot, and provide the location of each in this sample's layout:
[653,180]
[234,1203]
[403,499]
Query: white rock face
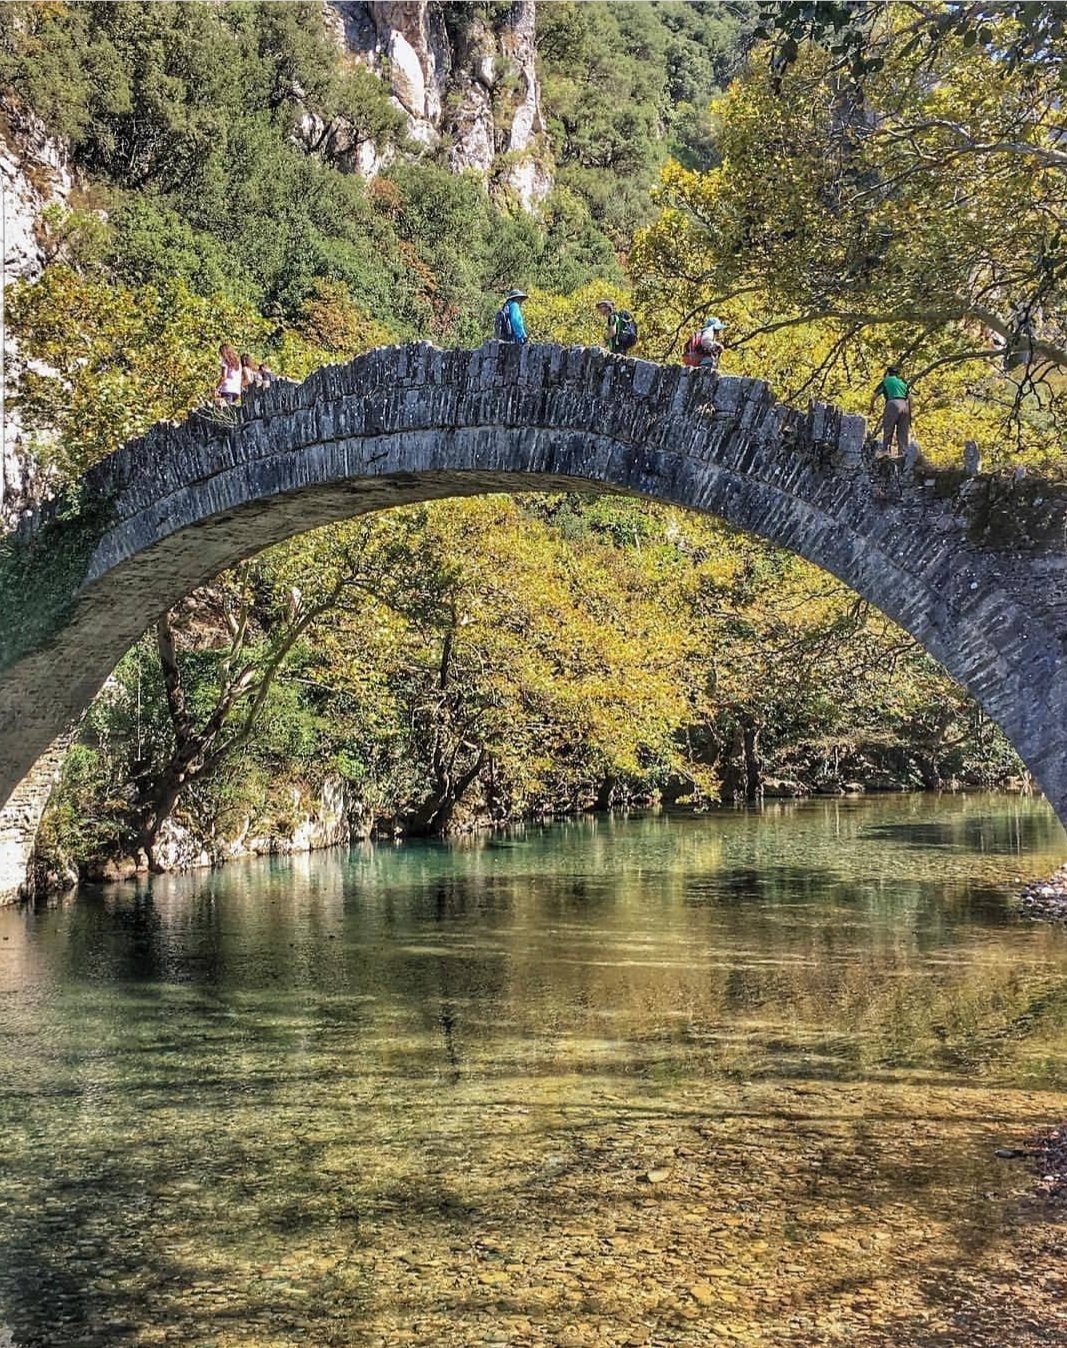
[407,77]
[530,178]
[326,824]
[34,171]
[330,820]
[446,77]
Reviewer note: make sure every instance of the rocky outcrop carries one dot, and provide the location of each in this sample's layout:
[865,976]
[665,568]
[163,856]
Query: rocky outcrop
[34,173]
[461,81]
[329,820]
[332,818]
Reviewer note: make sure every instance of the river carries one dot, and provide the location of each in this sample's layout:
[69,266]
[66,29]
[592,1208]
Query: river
[738,1078]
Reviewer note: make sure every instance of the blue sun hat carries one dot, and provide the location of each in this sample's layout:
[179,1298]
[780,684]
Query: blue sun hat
[716,324]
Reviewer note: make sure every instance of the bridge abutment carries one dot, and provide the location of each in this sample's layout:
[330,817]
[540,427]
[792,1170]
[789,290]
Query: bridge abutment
[20,820]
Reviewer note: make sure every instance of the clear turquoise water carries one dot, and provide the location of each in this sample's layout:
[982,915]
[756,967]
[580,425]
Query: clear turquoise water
[331,1099]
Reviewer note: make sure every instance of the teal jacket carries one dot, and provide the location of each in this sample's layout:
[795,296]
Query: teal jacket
[518,327]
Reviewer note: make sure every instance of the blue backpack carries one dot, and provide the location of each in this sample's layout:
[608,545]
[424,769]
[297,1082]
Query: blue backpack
[502,329]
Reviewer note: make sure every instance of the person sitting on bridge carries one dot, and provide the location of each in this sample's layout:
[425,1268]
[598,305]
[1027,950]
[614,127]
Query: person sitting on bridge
[510,325]
[897,414]
[621,332]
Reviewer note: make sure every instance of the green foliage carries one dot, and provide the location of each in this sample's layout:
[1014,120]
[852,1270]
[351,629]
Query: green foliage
[913,212]
[623,84]
[49,57]
[114,361]
[149,242]
[226,136]
[35,608]
[845,29]
[330,320]
[572,319]
[471,659]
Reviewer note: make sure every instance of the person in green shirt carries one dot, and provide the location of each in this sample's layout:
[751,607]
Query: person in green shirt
[621,330]
[897,414]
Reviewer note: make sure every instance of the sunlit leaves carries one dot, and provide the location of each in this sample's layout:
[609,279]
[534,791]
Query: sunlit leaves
[108,362]
[915,217]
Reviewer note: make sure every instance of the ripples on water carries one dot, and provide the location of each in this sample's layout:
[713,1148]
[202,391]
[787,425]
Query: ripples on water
[735,1078]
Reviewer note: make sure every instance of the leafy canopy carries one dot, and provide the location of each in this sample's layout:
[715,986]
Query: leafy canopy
[915,213]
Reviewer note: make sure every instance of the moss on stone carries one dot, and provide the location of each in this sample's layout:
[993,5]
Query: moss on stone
[40,577]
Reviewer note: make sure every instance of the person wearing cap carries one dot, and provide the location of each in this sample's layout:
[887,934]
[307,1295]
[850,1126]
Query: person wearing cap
[897,414]
[607,311]
[513,328]
[711,341]
[621,332]
[705,347]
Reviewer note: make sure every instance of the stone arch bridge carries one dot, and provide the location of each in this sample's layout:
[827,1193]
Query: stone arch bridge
[975,568]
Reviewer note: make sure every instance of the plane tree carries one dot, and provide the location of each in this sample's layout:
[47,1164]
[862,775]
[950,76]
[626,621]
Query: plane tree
[896,176]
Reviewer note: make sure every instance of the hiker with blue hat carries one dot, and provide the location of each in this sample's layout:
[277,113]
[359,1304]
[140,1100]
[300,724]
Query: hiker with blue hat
[510,325]
[705,346]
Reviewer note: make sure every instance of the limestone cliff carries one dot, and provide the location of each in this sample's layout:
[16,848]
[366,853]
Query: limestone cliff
[466,80]
[34,172]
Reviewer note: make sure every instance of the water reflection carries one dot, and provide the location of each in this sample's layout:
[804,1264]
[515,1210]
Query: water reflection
[416,1094]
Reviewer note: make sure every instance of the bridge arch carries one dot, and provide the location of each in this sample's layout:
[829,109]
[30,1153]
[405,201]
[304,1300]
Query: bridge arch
[975,572]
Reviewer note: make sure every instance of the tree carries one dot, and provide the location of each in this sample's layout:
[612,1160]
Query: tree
[330,320]
[621,84]
[846,28]
[238,636]
[571,319]
[246,674]
[525,668]
[918,207]
[106,362]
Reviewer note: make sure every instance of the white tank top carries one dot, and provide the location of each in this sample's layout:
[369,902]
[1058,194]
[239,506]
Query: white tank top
[231,379]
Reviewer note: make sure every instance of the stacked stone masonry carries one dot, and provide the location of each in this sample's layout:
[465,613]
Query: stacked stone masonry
[974,567]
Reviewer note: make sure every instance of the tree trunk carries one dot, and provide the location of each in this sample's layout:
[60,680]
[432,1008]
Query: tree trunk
[753,762]
[156,808]
[733,776]
[436,814]
[929,771]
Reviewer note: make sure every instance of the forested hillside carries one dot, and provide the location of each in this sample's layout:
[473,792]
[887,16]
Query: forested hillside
[469,661]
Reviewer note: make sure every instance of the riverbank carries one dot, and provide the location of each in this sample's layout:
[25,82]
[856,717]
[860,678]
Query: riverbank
[332,817]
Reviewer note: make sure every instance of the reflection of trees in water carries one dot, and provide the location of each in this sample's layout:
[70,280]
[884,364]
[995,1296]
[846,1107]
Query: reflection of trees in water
[248,1064]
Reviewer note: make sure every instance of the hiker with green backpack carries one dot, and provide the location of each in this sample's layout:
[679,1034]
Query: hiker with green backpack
[621,332]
